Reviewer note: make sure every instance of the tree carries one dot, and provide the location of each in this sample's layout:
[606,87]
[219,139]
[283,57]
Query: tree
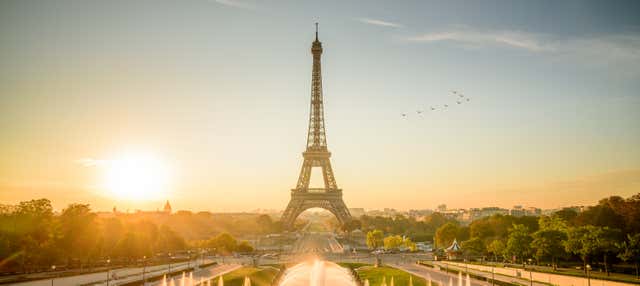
[393,242]
[549,242]
[496,248]
[375,239]
[446,234]
[519,242]
[473,247]
[79,233]
[244,247]
[630,251]
[606,241]
[582,241]
[223,243]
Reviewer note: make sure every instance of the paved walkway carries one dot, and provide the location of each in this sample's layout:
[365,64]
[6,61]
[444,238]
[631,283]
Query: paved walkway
[437,276]
[99,278]
[499,277]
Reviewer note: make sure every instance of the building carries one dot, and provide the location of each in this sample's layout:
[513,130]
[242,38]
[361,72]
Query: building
[167,207]
[357,212]
[517,211]
[533,211]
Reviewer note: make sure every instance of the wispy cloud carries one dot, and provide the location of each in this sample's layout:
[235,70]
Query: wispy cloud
[91,162]
[379,23]
[479,38]
[237,4]
[603,49]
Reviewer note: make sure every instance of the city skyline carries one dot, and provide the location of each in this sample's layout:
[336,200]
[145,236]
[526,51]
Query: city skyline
[206,104]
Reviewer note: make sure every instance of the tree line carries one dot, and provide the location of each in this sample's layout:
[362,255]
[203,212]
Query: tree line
[603,234]
[33,237]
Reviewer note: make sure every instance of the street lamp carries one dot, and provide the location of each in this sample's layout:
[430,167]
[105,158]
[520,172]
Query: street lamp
[530,275]
[144,268]
[108,268]
[588,275]
[53,268]
[169,263]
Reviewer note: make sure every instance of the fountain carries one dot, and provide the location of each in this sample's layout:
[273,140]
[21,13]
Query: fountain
[172,283]
[366,282]
[450,281]
[391,284]
[164,280]
[317,273]
[247,281]
[460,278]
[182,280]
[468,280]
[190,278]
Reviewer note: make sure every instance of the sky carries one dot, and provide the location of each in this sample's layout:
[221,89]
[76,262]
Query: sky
[215,95]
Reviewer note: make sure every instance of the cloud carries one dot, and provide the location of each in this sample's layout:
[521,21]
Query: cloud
[236,4]
[607,50]
[90,162]
[511,39]
[380,23]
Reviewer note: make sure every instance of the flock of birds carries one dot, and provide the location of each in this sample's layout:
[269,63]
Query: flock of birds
[459,99]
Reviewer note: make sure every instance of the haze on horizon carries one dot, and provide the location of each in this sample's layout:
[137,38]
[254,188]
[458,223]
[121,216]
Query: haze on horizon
[210,99]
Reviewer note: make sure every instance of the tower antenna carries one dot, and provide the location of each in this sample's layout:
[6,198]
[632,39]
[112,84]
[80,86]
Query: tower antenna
[316,31]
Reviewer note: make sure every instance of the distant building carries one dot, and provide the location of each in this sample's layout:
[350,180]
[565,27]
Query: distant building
[533,211]
[442,208]
[167,207]
[517,211]
[477,213]
[357,212]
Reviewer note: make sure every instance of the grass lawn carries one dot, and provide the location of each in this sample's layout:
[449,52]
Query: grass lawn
[261,276]
[375,275]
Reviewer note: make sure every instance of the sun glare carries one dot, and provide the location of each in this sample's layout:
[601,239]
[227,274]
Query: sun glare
[138,176]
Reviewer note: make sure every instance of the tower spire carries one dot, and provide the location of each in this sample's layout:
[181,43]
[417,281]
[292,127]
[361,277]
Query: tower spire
[316,31]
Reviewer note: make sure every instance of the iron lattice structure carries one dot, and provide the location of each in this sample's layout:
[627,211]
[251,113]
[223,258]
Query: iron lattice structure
[316,155]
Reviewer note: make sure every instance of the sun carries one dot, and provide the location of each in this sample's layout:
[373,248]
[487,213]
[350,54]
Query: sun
[137,176]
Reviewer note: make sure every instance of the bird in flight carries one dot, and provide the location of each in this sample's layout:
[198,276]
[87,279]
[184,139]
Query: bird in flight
[446,105]
[459,102]
[419,111]
[404,115]
[433,108]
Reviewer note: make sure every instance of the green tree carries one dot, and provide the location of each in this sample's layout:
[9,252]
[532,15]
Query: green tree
[393,242]
[375,239]
[473,247]
[582,241]
[519,242]
[496,248]
[244,247]
[223,243]
[446,234]
[548,242]
[607,244]
[630,251]
[79,233]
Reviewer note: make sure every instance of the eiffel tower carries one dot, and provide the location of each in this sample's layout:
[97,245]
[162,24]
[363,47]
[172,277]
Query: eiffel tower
[316,155]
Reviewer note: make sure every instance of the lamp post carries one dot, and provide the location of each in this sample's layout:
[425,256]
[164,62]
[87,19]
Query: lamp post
[169,263]
[588,275]
[144,269]
[108,268]
[530,275]
[53,268]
